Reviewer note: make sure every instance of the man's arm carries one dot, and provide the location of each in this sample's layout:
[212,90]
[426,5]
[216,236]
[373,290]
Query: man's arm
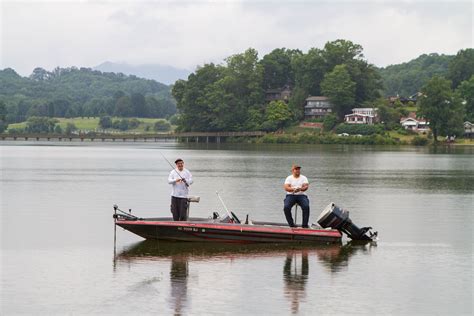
[304,187]
[171,178]
[288,188]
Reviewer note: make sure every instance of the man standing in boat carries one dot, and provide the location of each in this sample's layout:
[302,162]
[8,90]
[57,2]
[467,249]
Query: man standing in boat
[295,186]
[180,178]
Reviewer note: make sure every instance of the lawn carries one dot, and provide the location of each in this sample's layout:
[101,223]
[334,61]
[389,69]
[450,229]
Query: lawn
[92,123]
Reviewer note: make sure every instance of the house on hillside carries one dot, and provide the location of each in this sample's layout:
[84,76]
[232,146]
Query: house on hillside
[403,100]
[468,129]
[282,94]
[362,116]
[317,107]
[413,123]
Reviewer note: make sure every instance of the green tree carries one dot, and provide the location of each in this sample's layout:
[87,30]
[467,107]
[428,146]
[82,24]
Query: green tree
[277,115]
[341,52]
[277,68]
[123,107]
[309,70]
[138,103]
[40,125]
[162,125]
[441,107]
[466,92]
[105,122]
[329,122]
[70,128]
[340,89]
[461,67]
[3,116]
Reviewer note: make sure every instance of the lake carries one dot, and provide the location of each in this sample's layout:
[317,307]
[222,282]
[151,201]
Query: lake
[58,254]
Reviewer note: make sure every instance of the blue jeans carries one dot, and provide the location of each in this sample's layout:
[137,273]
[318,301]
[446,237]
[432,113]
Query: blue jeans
[302,201]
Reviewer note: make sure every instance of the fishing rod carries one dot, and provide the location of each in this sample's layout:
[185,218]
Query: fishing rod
[174,168]
[230,214]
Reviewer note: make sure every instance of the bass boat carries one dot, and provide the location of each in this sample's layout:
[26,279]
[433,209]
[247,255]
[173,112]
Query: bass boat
[333,221]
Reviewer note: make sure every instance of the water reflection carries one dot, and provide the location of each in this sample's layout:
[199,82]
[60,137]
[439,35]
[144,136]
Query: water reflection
[295,277]
[337,258]
[296,263]
[179,283]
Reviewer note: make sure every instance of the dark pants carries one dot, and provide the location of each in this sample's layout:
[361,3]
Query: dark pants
[179,208]
[302,201]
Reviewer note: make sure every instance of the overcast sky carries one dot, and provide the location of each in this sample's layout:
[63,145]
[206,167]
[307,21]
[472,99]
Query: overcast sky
[189,33]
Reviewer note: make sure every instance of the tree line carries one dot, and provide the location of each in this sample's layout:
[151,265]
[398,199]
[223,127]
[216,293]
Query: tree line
[73,92]
[232,96]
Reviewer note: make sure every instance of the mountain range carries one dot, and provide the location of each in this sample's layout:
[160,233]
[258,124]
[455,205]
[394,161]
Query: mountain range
[161,73]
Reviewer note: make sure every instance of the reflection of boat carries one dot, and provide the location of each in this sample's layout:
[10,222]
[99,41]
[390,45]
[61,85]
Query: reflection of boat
[156,249]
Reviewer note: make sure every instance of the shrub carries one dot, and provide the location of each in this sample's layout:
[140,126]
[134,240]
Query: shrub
[15,131]
[70,127]
[162,125]
[362,129]
[419,141]
[329,122]
[3,126]
[105,122]
[133,123]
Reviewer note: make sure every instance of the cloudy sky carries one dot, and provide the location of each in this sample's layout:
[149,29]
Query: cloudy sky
[188,33]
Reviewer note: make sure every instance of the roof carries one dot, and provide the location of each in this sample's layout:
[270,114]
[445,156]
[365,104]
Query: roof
[358,114]
[364,109]
[317,98]
[411,119]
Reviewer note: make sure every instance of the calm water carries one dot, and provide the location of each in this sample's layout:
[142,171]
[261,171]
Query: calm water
[57,233]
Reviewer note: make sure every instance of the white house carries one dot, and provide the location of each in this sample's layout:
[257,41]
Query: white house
[362,116]
[413,124]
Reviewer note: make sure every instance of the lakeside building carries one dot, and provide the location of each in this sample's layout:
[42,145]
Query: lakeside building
[404,100]
[317,107]
[280,94]
[362,116]
[468,129]
[414,124]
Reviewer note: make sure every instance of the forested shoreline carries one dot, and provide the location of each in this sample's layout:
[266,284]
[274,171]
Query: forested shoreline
[231,96]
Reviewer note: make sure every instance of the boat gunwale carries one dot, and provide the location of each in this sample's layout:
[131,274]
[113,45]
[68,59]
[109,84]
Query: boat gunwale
[236,227]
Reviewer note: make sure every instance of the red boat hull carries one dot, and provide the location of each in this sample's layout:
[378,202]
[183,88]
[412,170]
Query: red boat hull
[231,233]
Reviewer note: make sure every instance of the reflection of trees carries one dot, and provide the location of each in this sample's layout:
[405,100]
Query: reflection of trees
[179,282]
[295,278]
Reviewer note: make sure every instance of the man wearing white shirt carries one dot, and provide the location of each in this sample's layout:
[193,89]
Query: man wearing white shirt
[295,186]
[180,178]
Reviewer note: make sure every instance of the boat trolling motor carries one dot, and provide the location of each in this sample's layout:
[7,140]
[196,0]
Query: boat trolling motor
[337,218]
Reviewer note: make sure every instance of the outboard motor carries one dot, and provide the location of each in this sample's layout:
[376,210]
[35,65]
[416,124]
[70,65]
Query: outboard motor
[337,218]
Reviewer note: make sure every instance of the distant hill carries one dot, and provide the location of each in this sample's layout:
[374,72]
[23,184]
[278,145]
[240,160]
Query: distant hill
[165,74]
[70,92]
[407,78]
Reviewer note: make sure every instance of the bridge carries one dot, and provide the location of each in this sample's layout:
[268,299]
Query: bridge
[197,137]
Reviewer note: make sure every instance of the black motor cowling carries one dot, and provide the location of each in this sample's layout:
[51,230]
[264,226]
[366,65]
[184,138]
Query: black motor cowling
[337,218]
